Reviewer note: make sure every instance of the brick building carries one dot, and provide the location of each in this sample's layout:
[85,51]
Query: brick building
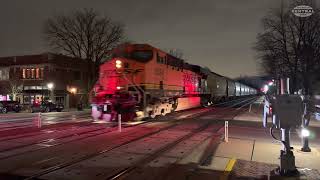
[45,76]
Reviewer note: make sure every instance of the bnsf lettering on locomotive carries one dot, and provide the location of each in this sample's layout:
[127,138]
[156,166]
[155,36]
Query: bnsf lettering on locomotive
[189,78]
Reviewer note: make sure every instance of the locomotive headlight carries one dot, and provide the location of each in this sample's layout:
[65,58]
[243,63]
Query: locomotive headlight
[118,64]
[118,87]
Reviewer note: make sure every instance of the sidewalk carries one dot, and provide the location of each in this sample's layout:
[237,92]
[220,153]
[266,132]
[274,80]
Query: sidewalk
[247,158]
[251,153]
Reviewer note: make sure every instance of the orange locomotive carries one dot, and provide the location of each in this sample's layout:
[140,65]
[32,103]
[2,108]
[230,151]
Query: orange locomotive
[143,81]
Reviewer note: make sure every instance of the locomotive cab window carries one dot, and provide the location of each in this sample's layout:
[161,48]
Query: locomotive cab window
[142,55]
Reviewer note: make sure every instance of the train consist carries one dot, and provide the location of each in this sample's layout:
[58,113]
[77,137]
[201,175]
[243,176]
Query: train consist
[142,81]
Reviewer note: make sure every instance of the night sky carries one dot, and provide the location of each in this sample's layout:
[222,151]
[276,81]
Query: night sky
[218,34]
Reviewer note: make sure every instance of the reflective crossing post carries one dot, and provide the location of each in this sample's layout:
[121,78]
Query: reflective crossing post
[73,117]
[119,122]
[226,131]
[39,123]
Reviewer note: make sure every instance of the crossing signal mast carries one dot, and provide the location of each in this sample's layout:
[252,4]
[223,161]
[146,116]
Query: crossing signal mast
[287,111]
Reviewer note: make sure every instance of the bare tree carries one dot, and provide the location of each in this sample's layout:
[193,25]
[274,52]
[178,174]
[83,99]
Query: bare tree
[84,34]
[289,46]
[14,87]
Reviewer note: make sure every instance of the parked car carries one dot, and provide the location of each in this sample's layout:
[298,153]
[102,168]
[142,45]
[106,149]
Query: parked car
[6,106]
[47,107]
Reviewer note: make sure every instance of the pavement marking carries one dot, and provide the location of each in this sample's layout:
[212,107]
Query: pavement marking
[230,165]
[228,169]
[254,142]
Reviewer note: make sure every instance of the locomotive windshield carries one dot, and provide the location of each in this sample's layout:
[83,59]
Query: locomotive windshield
[142,55]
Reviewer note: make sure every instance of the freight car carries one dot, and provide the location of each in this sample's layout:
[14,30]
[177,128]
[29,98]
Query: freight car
[143,81]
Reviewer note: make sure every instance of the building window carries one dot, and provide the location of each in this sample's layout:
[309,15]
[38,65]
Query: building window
[4,74]
[24,74]
[32,73]
[41,73]
[28,74]
[37,73]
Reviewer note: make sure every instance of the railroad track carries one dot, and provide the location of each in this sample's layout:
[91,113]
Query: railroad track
[79,133]
[92,155]
[70,163]
[125,172]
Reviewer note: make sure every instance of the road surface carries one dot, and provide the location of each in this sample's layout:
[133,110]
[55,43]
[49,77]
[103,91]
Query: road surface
[183,145]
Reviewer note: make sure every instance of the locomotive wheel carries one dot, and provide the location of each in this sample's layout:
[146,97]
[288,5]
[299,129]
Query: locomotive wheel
[205,104]
[162,112]
[152,115]
[174,105]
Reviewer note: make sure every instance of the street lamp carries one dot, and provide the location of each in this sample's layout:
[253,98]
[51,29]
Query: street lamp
[50,87]
[305,133]
[73,90]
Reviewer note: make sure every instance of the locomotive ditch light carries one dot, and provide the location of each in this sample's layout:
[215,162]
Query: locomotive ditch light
[118,87]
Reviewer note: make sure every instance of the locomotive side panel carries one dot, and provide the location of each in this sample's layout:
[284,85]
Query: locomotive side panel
[170,78]
[159,76]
